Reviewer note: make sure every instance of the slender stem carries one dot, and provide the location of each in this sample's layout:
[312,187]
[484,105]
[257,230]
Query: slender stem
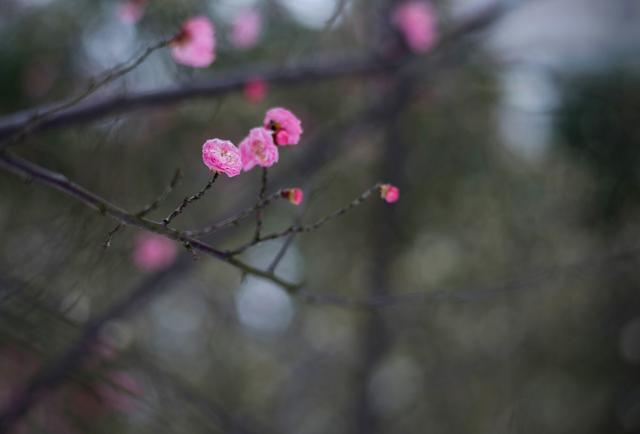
[147,209]
[294,229]
[187,200]
[263,191]
[38,117]
[234,220]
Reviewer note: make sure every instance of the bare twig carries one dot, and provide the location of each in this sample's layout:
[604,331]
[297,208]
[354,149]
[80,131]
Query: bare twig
[189,199]
[235,219]
[149,208]
[39,117]
[295,229]
[263,191]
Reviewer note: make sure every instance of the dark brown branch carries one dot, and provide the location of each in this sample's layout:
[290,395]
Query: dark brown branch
[59,182]
[340,66]
[39,117]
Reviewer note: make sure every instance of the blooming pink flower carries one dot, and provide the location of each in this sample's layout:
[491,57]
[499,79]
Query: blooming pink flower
[195,44]
[259,149]
[246,29]
[416,20]
[255,90]
[130,12]
[222,156]
[153,252]
[293,195]
[285,125]
[390,193]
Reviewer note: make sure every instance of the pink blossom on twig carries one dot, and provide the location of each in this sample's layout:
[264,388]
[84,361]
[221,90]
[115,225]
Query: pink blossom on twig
[390,193]
[222,156]
[195,44]
[285,125]
[258,149]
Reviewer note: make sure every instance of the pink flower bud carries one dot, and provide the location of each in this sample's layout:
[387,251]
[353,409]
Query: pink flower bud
[153,252]
[195,44]
[258,149]
[255,90]
[390,193]
[246,29]
[285,125]
[416,20]
[293,195]
[222,156]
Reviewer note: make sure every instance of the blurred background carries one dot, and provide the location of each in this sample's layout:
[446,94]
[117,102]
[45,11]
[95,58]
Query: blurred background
[500,294]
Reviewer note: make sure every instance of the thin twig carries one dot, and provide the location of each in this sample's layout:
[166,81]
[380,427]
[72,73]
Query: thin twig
[187,200]
[263,191]
[149,208]
[295,229]
[39,117]
[235,219]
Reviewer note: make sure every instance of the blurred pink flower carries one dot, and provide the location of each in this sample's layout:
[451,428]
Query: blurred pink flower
[153,252]
[222,156]
[130,12]
[195,44]
[293,195]
[246,29]
[259,149]
[120,394]
[390,193]
[416,20]
[285,125]
[255,90]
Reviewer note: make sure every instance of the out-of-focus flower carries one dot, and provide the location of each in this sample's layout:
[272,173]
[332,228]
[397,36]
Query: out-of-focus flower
[293,195]
[153,252]
[390,193]
[416,20]
[120,394]
[246,29]
[130,12]
[285,125]
[195,44]
[259,149]
[255,90]
[222,156]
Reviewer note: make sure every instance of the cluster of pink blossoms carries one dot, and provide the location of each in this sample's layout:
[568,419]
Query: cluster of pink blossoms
[416,20]
[259,148]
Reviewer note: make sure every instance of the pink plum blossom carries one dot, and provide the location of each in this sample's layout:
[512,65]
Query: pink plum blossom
[255,90]
[153,252]
[390,193]
[416,20]
[259,149]
[285,125]
[130,12]
[195,44]
[246,29]
[222,156]
[293,195]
